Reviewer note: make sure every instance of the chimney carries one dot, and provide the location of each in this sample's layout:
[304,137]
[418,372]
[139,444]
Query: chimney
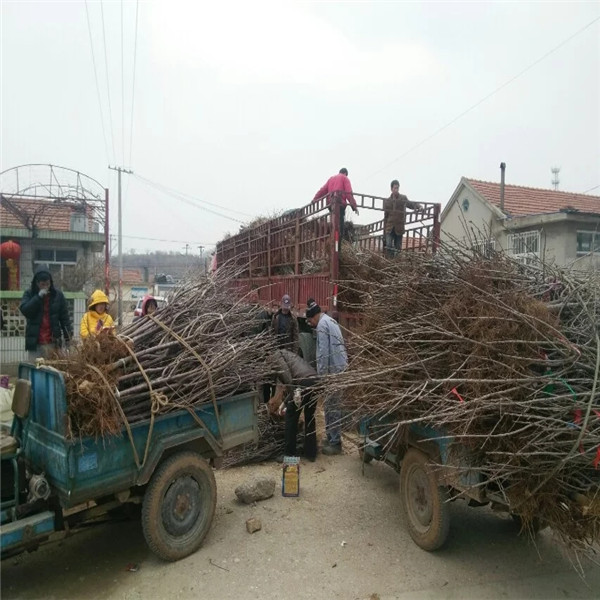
[502,171]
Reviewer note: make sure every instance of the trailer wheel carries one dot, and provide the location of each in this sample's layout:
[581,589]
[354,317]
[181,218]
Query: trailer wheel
[179,505]
[424,501]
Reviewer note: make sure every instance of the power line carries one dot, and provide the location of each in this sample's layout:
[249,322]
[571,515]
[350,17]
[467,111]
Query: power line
[193,202]
[591,189]
[122,92]
[112,135]
[137,5]
[190,242]
[87,14]
[468,110]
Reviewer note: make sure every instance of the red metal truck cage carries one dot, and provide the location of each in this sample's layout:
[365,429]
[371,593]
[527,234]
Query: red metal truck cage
[298,253]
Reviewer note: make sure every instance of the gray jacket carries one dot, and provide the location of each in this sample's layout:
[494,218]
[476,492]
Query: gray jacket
[290,368]
[331,350]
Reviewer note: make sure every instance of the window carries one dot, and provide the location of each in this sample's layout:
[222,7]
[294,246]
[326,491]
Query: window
[61,262]
[588,241]
[64,256]
[524,247]
[44,255]
[484,247]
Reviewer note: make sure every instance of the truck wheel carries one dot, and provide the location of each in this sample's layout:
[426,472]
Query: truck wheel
[424,501]
[179,505]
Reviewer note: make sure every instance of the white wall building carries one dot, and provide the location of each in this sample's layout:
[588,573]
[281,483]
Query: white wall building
[560,228]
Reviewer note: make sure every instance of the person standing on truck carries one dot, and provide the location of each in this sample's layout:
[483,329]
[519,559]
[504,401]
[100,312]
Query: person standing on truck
[295,393]
[331,358]
[338,186]
[285,326]
[394,218]
[47,314]
[96,319]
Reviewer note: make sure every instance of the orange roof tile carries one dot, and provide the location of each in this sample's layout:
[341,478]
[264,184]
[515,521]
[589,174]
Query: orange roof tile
[130,276]
[44,214]
[521,201]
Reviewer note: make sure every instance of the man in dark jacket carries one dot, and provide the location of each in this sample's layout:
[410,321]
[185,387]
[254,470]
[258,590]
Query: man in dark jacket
[47,314]
[285,326]
[296,380]
[394,218]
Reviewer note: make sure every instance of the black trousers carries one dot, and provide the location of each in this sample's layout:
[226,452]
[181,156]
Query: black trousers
[342,219]
[292,414]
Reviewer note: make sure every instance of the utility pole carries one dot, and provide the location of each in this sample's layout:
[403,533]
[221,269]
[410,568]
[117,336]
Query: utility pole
[201,248]
[120,170]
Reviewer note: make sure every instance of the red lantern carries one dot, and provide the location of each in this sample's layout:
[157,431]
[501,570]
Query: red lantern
[10,249]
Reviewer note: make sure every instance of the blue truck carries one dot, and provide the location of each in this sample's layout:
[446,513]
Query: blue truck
[52,484]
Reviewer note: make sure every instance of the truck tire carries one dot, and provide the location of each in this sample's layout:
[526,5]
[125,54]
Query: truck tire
[179,505]
[424,501]
[308,348]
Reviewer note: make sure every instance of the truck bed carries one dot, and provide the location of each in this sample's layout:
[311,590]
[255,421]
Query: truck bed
[86,468]
[297,253]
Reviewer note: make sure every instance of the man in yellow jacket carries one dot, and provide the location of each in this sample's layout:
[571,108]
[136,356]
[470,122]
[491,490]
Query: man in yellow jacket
[96,319]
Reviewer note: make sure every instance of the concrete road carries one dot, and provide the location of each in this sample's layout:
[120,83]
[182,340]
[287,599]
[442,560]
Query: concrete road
[343,538]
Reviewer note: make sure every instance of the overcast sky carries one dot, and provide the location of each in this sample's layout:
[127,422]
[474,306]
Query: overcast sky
[252,106]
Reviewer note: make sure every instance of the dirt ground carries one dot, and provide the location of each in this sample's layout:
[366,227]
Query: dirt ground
[344,537]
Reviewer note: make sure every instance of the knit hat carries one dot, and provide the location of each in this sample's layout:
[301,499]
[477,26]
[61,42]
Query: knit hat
[312,308]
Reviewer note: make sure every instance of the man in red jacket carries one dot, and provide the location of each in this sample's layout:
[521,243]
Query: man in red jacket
[338,186]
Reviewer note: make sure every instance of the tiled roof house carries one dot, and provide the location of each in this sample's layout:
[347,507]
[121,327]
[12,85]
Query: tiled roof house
[51,231]
[530,223]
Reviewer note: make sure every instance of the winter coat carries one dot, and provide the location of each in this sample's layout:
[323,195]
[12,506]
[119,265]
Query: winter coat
[331,350]
[92,322]
[289,368]
[289,338]
[394,213]
[32,308]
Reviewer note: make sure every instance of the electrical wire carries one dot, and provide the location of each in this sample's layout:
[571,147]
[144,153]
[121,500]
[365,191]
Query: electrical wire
[137,5]
[591,189]
[487,97]
[136,237]
[192,200]
[87,14]
[108,83]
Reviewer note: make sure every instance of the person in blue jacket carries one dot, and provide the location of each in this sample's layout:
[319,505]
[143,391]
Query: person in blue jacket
[331,358]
